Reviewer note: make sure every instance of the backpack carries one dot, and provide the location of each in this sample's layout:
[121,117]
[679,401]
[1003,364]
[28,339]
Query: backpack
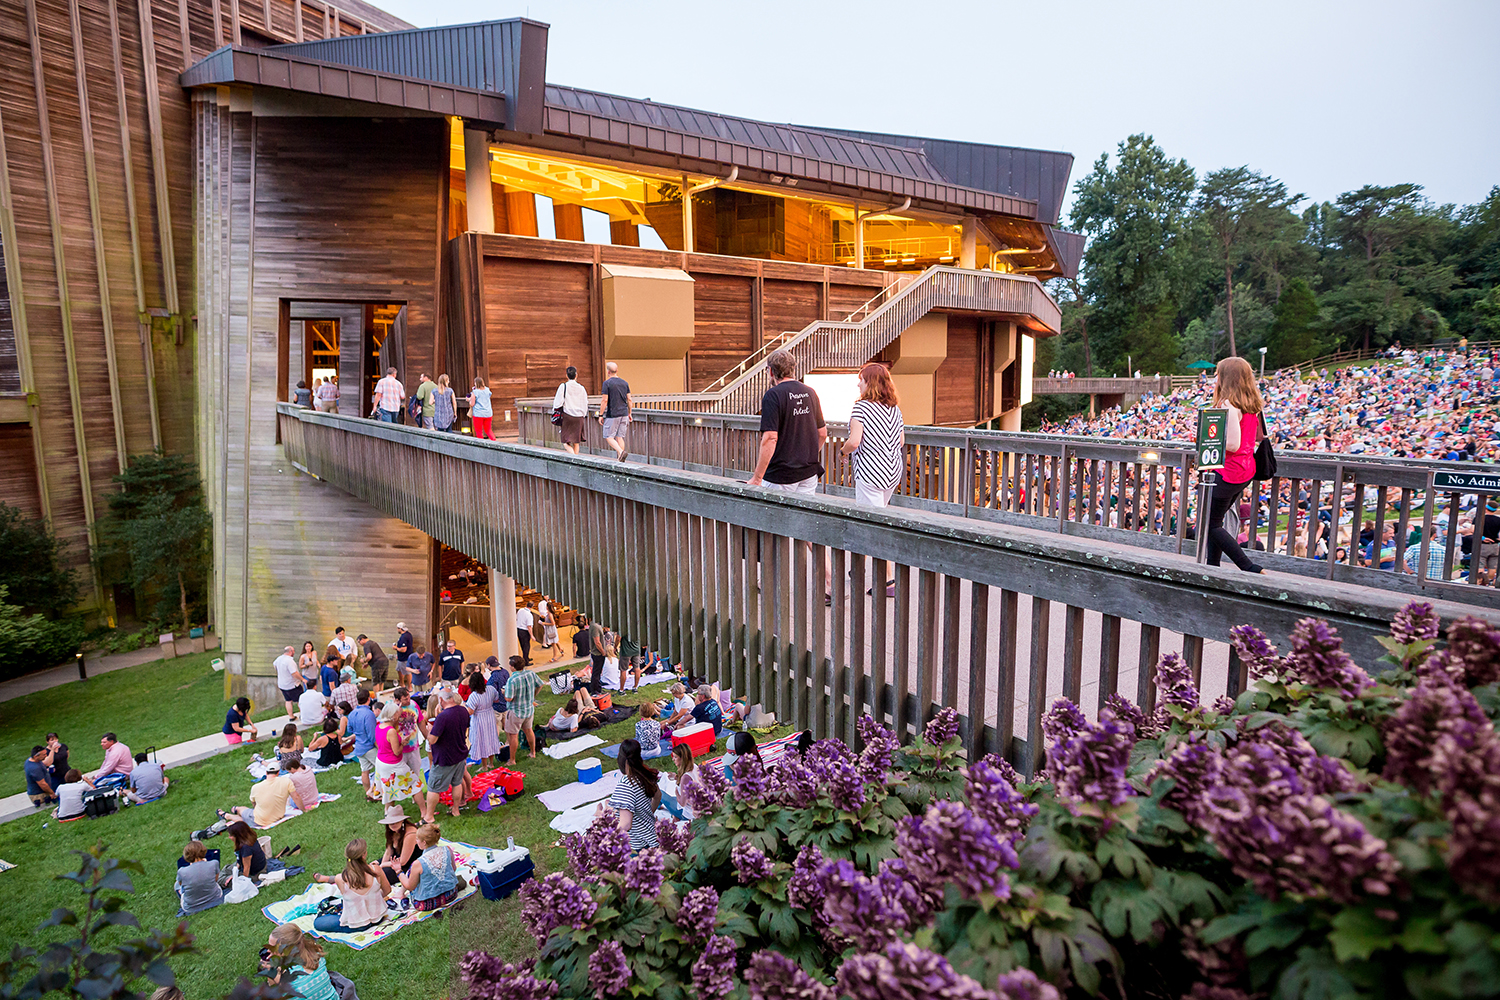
[1265,457]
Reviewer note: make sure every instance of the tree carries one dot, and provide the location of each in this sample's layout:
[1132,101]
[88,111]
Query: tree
[1134,213]
[1235,207]
[158,525]
[1296,334]
[29,565]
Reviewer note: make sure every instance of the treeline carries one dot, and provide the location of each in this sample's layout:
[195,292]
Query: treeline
[1181,267]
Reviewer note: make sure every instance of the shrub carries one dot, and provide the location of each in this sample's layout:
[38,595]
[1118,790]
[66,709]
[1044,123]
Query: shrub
[33,642]
[1332,832]
[29,564]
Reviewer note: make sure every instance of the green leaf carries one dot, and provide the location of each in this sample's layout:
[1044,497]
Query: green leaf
[1272,937]
[1420,936]
[1357,934]
[61,917]
[1315,976]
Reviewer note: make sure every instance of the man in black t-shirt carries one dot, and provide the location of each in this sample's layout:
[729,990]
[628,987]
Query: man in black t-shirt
[792,431]
[614,416]
[452,661]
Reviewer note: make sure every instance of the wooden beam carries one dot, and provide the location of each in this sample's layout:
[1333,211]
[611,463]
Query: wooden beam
[297,35]
[96,225]
[567,222]
[234,22]
[143,324]
[18,321]
[624,234]
[182,23]
[59,262]
[159,154]
[218,24]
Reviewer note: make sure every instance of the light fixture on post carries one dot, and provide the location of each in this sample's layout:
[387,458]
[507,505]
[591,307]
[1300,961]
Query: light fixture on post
[1262,362]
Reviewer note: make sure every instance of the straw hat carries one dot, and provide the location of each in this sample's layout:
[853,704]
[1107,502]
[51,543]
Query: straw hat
[393,814]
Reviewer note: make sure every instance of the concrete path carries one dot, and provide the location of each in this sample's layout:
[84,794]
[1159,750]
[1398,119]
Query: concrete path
[94,663]
[191,752]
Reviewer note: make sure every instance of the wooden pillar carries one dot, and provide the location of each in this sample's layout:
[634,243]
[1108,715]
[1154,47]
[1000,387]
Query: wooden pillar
[687,215]
[624,234]
[520,213]
[478,193]
[969,243]
[859,238]
[567,222]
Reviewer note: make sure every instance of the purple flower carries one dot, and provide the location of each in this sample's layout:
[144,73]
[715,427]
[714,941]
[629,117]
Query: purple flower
[855,906]
[879,752]
[1257,652]
[1174,682]
[793,783]
[609,973]
[674,837]
[906,972]
[1437,712]
[994,799]
[1224,705]
[1088,761]
[645,872]
[1023,984]
[752,785]
[1063,720]
[1473,653]
[942,728]
[713,972]
[846,788]
[696,915]
[949,843]
[1002,766]
[1195,767]
[804,890]
[1126,710]
[1318,660]
[1415,622]
[702,790]
[750,862]
[603,847]
[489,978]
[773,976]
[555,901]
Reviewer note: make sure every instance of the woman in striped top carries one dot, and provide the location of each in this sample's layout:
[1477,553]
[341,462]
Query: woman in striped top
[636,797]
[877,437]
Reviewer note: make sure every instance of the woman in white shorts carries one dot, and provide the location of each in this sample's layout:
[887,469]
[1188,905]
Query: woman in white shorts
[877,438]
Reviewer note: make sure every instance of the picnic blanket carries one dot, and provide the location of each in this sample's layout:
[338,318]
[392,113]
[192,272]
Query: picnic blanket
[292,811]
[567,748]
[302,908]
[770,752]
[663,749]
[657,678]
[577,793]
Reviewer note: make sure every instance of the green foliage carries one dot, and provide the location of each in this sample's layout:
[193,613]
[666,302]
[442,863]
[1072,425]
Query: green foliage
[29,564]
[1296,335]
[34,642]
[157,530]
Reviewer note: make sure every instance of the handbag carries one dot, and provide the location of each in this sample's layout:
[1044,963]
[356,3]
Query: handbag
[557,416]
[1265,456]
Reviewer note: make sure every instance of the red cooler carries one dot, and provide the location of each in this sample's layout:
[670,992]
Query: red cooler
[699,738]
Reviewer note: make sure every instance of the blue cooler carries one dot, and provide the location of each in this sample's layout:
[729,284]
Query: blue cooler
[502,871]
[590,770]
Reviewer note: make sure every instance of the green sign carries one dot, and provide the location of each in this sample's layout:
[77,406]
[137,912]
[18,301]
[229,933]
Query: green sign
[1211,428]
[1467,482]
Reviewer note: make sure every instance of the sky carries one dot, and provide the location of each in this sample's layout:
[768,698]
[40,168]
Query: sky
[1326,96]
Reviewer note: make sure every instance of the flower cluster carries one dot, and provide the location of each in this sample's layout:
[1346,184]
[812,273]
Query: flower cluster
[1317,659]
[750,862]
[1174,682]
[602,848]
[696,915]
[951,843]
[645,872]
[869,911]
[1194,767]
[1088,761]
[555,901]
[1256,652]
[674,837]
[713,972]
[1472,658]
[838,771]
[880,750]
[702,790]
[902,971]
[1125,710]
[1002,767]
[752,782]
[993,798]
[942,728]
[773,976]
[794,784]
[489,978]
[609,973]
[1415,622]
[804,890]
[1023,984]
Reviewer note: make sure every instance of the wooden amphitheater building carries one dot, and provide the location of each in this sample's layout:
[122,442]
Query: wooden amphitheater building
[203,202]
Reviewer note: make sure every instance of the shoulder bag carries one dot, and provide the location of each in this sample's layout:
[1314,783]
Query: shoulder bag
[1265,456]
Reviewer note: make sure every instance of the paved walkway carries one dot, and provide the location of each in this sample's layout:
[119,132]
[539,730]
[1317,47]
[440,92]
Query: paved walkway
[191,752]
[95,664]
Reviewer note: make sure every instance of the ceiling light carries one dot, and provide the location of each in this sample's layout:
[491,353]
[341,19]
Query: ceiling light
[891,260]
[908,260]
[852,261]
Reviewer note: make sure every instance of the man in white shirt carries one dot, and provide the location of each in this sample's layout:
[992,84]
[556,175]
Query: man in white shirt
[289,680]
[343,644]
[524,620]
[312,707]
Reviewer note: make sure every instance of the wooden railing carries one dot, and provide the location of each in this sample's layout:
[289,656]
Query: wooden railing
[1131,492]
[992,619]
[1103,386]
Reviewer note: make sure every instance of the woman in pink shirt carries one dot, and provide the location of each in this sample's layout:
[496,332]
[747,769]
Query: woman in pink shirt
[396,780]
[1237,392]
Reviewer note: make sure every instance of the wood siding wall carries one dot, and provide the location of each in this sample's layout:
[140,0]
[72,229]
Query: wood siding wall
[96,198]
[292,557]
[957,383]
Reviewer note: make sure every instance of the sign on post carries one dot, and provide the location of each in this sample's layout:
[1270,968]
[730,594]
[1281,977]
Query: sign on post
[1211,426]
[1467,482]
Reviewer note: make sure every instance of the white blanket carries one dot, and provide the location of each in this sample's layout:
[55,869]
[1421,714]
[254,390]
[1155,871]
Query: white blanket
[567,748]
[577,793]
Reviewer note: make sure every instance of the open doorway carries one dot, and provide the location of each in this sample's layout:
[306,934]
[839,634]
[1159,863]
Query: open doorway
[349,344]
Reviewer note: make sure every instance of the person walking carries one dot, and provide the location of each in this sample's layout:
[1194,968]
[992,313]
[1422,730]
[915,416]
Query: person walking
[614,417]
[426,388]
[481,414]
[1235,390]
[444,406]
[524,620]
[288,681]
[388,396]
[404,646]
[572,400]
[326,396]
[792,431]
[877,436]
[302,395]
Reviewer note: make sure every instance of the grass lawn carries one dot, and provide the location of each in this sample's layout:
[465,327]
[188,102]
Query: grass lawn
[416,964]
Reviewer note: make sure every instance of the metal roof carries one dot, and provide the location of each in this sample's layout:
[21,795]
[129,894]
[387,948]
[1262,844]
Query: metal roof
[1036,174]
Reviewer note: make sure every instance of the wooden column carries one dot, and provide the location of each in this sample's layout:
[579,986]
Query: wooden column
[624,234]
[477,189]
[159,155]
[567,222]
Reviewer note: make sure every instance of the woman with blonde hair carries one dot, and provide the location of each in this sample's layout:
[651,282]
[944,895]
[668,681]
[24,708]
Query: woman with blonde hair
[307,969]
[877,437]
[392,773]
[362,886]
[481,413]
[444,406]
[1235,390]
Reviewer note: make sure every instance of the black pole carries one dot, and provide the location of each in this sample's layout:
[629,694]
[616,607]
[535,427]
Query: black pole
[82,673]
